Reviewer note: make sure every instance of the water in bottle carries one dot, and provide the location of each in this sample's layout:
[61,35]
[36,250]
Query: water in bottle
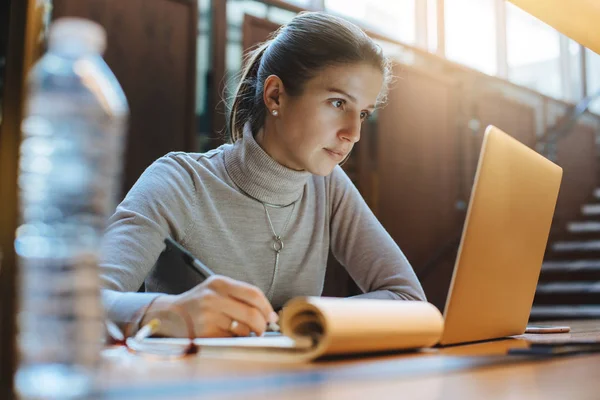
[69,171]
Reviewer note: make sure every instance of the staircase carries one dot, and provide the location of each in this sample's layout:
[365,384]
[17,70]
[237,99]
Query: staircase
[569,284]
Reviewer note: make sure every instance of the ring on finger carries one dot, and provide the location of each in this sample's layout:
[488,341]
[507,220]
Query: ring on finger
[233,326]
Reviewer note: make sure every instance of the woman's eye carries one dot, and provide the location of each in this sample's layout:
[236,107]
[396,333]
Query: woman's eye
[338,103]
[364,115]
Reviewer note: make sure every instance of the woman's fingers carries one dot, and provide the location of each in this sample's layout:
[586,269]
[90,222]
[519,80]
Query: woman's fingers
[226,325]
[243,313]
[246,293]
[219,300]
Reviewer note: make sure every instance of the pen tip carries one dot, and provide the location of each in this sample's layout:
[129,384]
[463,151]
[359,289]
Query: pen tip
[274,327]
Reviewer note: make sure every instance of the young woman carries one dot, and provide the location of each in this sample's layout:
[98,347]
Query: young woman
[264,211]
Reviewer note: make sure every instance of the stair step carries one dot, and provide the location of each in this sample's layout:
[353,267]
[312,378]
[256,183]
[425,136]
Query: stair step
[590,212]
[578,230]
[590,209]
[569,287]
[583,226]
[579,270]
[583,230]
[576,245]
[567,293]
[563,312]
[579,235]
[574,249]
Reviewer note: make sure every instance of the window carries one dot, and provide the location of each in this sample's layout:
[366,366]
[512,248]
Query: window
[393,18]
[432,26]
[301,3]
[593,78]
[575,92]
[471,33]
[533,52]
[203,71]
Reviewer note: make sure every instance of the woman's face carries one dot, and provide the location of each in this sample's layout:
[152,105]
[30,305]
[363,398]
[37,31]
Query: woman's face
[316,130]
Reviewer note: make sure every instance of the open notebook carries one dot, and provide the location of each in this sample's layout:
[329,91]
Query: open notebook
[313,327]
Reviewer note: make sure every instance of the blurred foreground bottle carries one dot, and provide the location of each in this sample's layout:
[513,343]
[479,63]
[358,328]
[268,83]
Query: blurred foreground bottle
[69,174]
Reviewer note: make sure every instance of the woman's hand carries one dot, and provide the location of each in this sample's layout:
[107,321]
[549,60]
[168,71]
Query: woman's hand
[213,305]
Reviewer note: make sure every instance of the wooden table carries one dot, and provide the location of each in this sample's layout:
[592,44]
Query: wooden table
[474,371]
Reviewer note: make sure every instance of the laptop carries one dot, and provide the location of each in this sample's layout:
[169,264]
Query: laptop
[503,242]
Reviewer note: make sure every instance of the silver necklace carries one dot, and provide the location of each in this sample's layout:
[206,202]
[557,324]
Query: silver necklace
[277,243]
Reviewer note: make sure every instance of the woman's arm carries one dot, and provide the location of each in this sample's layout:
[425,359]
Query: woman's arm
[157,206]
[363,246]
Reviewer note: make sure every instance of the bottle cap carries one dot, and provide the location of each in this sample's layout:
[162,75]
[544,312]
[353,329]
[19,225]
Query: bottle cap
[79,30]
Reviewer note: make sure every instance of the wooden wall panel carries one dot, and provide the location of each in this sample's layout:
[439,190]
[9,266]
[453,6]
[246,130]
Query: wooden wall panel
[419,168]
[577,154]
[512,117]
[216,81]
[21,43]
[516,119]
[152,51]
[14,48]
[256,30]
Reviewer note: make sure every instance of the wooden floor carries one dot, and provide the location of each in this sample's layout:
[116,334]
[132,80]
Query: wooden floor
[474,371]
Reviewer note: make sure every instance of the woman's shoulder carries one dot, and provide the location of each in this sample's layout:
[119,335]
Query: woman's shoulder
[201,158]
[335,186]
[338,178]
[179,168]
[192,162]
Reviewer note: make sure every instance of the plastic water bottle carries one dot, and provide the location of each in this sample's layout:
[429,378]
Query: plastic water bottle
[69,172]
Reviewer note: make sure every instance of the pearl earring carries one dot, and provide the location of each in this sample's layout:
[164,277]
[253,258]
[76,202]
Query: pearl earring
[275,113]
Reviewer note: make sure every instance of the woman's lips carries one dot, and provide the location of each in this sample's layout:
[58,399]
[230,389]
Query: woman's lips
[337,155]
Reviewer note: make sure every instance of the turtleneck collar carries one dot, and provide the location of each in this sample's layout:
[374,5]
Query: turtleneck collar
[260,176]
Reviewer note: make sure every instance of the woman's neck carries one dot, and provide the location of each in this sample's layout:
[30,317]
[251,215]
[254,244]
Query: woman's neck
[259,175]
[267,140]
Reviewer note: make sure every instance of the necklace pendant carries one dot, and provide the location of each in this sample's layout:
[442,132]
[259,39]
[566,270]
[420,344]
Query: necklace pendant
[277,244]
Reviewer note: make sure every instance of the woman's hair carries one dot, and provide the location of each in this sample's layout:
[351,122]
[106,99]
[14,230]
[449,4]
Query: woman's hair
[297,52]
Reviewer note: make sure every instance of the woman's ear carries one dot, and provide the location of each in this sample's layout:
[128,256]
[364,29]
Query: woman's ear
[273,92]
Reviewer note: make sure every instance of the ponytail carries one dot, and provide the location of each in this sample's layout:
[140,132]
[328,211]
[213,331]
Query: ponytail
[246,106]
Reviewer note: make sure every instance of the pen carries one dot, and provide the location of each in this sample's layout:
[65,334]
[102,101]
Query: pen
[190,260]
[201,269]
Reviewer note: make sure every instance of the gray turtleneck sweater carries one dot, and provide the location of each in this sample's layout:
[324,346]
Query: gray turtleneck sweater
[211,203]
